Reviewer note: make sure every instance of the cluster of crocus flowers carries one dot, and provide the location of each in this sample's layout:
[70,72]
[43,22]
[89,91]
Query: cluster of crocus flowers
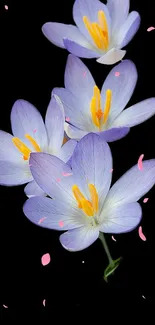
[101,31]
[76,175]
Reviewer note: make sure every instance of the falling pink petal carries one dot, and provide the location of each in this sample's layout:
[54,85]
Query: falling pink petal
[111,170]
[44,302]
[66,174]
[45,260]
[150,29]
[58,180]
[67,119]
[113,238]
[117,74]
[145,200]
[34,130]
[6,7]
[61,224]
[84,74]
[41,220]
[141,235]
[140,163]
[5,306]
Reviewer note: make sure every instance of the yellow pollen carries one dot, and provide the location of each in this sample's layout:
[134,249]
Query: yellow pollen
[23,148]
[89,207]
[100,117]
[98,31]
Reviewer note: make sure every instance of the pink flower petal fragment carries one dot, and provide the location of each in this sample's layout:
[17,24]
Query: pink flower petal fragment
[5,306]
[61,224]
[45,260]
[41,220]
[66,174]
[140,163]
[150,29]
[111,170]
[84,74]
[34,130]
[141,235]
[6,7]
[67,119]
[113,238]
[145,200]
[117,74]
[44,302]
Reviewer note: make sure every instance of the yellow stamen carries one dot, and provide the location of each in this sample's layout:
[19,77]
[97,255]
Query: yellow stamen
[107,105]
[33,142]
[89,207]
[78,195]
[95,118]
[22,148]
[94,197]
[98,31]
[103,24]
[65,140]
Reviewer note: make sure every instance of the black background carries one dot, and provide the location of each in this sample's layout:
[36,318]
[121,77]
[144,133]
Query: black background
[30,67]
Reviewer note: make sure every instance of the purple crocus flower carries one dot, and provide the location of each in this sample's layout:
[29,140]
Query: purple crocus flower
[83,202]
[101,31]
[30,134]
[89,110]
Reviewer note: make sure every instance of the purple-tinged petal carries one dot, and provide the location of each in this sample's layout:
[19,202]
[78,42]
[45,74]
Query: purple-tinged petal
[8,151]
[14,173]
[79,81]
[76,111]
[13,169]
[122,87]
[122,218]
[67,150]
[52,214]
[118,10]
[32,189]
[132,185]
[136,114]
[112,56]
[91,164]
[48,171]
[26,119]
[114,134]
[90,9]
[56,32]
[81,50]
[129,29]
[54,122]
[73,132]
[79,239]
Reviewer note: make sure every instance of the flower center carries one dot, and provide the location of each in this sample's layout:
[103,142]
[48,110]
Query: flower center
[89,207]
[98,31]
[100,117]
[23,148]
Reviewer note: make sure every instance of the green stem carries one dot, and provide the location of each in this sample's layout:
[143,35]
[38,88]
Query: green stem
[102,238]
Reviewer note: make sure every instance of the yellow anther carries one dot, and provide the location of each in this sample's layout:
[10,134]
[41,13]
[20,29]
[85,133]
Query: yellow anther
[33,142]
[94,197]
[107,105]
[94,116]
[103,25]
[78,195]
[22,148]
[98,31]
[89,207]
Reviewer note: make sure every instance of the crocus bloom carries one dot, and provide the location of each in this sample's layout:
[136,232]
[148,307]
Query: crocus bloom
[101,31]
[87,109]
[83,203]
[30,134]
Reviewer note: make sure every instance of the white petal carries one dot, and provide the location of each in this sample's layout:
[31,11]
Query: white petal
[112,56]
